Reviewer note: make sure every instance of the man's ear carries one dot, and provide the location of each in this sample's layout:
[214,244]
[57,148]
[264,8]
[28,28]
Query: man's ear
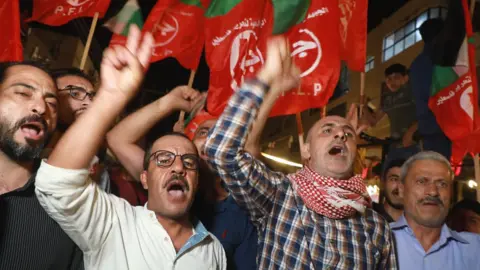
[305,151]
[143,179]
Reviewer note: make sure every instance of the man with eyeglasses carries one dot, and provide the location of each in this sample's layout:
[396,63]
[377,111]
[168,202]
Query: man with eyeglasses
[76,91]
[112,233]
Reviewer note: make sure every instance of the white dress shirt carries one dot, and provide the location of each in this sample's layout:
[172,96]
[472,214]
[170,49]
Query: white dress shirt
[115,235]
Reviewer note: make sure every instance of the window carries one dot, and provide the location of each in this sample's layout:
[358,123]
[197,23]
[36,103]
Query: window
[408,35]
[370,63]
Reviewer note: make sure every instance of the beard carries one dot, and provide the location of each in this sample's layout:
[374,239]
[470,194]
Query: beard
[398,206]
[16,151]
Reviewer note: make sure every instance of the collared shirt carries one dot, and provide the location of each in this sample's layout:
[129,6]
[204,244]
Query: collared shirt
[231,225]
[115,235]
[291,236]
[29,238]
[454,250]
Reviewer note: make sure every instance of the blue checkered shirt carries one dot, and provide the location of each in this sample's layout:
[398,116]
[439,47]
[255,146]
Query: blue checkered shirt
[290,235]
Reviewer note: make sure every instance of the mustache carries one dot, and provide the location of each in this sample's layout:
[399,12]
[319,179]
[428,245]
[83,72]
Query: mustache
[176,177]
[395,191]
[31,118]
[431,199]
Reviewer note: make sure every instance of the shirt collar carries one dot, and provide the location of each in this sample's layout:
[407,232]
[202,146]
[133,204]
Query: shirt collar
[445,235]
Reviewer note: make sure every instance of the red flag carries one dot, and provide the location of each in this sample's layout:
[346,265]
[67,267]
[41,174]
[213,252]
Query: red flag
[353,33]
[239,50]
[233,47]
[10,41]
[316,51]
[178,32]
[58,12]
[454,96]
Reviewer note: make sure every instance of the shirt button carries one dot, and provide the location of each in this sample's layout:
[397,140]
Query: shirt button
[166,239]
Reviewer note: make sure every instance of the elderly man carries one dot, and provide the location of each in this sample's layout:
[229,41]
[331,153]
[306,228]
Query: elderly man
[317,218]
[112,233]
[423,239]
[29,238]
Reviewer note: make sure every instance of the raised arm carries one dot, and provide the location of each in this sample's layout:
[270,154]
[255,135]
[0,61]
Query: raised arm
[251,183]
[85,212]
[123,138]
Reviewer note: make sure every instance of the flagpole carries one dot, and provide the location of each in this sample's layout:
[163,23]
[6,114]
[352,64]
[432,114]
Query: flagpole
[324,111]
[476,158]
[190,84]
[89,41]
[362,93]
[300,130]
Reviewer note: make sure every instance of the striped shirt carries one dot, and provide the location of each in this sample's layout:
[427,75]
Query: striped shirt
[29,238]
[290,235]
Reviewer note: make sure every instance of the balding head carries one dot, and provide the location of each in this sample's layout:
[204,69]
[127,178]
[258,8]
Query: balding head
[330,147]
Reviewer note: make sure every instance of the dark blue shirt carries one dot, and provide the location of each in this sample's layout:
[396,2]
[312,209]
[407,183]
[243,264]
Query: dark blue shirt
[233,228]
[421,72]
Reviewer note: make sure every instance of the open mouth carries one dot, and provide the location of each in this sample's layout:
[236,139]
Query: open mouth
[32,130]
[337,150]
[177,188]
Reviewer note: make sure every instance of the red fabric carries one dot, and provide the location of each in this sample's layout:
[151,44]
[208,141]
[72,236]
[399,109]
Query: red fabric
[10,39]
[233,50]
[456,107]
[353,33]
[58,12]
[236,50]
[316,51]
[196,122]
[124,187]
[333,198]
[178,32]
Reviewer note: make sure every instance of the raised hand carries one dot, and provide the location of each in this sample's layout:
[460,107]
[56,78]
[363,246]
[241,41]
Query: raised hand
[183,98]
[355,121]
[279,70]
[122,68]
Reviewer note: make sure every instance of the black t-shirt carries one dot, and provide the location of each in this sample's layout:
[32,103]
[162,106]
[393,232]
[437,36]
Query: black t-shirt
[29,238]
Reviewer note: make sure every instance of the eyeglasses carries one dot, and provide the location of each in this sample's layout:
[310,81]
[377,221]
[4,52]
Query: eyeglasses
[78,93]
[165,159]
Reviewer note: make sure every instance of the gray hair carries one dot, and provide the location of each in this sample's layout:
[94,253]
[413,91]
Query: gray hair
[425,155]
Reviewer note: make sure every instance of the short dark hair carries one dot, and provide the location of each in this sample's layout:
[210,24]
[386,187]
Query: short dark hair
[396,68]
[148,150]
[467,204]
[6,65]
[62,72]
[430,29]
[392,164]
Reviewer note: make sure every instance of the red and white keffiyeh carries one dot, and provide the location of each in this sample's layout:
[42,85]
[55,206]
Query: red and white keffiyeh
[333,198]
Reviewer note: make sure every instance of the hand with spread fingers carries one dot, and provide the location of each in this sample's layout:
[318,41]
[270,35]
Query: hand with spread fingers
[279,70]
[353,118]
[123,67]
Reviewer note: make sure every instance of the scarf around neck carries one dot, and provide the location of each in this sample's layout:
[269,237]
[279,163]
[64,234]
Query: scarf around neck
[330,197]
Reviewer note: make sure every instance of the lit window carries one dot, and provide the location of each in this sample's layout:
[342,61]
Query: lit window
[406,36]
[370,64]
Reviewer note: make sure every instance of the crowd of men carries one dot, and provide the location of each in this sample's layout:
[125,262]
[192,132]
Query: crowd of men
[212,203]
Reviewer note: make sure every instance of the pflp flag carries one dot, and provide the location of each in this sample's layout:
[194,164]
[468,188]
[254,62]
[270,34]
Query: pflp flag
[454,92]
[177,27]
[59,12]
[233,29]
[120,23]
[10,40]
[315,48]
